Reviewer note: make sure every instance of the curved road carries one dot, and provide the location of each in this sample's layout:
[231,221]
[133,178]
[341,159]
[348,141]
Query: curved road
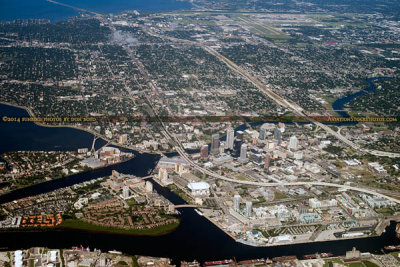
[283,102]
[347,187]
[298,110]
[275,97]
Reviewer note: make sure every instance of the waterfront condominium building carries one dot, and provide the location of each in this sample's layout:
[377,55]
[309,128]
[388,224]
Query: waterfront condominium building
[125,192]
[230,136]
[163,175]
[236,203]
[249,207]
[214,144]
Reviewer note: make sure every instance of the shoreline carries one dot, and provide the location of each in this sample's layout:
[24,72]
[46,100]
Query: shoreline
[94,133]
[93,228]
[68,175]
[177,6]
[340,108]
[105,230]
[273,245]
[386,223]
[32,115]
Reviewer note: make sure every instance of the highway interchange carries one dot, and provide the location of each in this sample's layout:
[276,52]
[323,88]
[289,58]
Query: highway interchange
[280,101]
[285,103]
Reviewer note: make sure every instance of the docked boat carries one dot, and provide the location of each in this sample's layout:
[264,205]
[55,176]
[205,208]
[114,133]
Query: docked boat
[284,258]
[219,263]
[392,248]
[318,255]
[253,262]
[190,264]
[81,248]
[198,212]
[115,252]
[310,256]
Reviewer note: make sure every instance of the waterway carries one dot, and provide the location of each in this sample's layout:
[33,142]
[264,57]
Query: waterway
[340,103]
[42,9]
[29,136]
[195,238]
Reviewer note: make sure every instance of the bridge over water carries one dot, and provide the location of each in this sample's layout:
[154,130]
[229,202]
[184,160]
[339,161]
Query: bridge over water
[186,206]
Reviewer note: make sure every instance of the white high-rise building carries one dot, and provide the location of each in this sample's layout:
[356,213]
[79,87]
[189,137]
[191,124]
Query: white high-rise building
[230,136]
[125,192]
[243,153]
[236,203]
[293,142]
[222,147]
[249,207]
[163,175]
[149,187]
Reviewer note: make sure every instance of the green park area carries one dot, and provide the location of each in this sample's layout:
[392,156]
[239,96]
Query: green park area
[81,225]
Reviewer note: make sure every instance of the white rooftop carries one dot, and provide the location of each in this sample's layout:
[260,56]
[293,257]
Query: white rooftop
[18,258]
[199,186]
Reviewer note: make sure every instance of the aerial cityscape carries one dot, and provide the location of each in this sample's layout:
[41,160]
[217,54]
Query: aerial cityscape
[200,133]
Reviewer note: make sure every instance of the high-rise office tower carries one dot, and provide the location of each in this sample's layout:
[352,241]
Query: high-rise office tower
[249,207]
[214,144]
[236,203]
[263,134]
[222,146]
[204,151]
[267,161]
[293,143]
[243,153]
[237,144]
[239,135]
[257,158]
[230,136]
[277,135]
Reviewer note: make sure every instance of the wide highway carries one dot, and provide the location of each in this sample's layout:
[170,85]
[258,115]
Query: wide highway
[296,109]
[184,155]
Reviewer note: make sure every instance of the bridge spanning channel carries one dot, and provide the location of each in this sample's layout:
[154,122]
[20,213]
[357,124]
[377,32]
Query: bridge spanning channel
[74,7]
[186,206]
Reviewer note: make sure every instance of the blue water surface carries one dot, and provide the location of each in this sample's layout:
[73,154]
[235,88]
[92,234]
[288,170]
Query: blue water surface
[42,9]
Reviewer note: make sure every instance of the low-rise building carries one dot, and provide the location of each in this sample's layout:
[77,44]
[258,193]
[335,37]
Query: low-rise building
[199,188]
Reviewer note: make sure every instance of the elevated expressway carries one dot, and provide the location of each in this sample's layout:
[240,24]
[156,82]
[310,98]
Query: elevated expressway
[296,109]
[283,102]
[217,176]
